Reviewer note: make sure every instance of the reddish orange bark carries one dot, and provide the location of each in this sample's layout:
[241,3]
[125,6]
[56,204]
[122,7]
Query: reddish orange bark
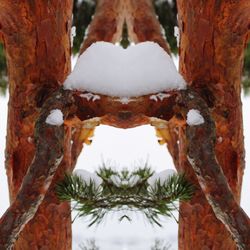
[143,24]
[211,61]
[49,152]
[107,23]
[36,39]
[213,37]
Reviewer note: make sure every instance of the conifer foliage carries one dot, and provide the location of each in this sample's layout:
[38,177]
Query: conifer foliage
[125,191]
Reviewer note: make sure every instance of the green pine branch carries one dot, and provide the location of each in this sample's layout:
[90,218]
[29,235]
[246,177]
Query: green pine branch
[124,191]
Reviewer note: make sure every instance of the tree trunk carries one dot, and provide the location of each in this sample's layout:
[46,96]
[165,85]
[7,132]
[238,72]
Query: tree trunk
[143,24]
[36,39]
[213,36]
[107,23]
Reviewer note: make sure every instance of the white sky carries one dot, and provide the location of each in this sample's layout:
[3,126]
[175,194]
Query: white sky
[127,148]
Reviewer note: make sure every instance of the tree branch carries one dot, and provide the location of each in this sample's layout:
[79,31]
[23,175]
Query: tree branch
[107,23]
[143,24]
[210,175]
[212,42]
[49,153]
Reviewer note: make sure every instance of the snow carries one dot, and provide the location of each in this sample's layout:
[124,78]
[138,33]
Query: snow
[125,100]
[134,180]
[88,176]
[55,117]
[161,177]
[177,35]
[90,96]
[194,117]
[87,1]
[220,139]
[160,96]
[72,35]
[159,2]
[115,179]
[29,139]
[138,70]
[131,182]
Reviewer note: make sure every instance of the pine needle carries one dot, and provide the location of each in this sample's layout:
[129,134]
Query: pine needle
[125,191]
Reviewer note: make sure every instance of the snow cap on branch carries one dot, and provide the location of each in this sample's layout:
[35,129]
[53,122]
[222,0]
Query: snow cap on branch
[161,177]
[117,181]
[88,177]
[138,70]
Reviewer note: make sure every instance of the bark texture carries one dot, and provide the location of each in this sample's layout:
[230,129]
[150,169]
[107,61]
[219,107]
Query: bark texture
[107,23]
[49,142]
[210,176]
[36,39]
[143,24]
[213,37]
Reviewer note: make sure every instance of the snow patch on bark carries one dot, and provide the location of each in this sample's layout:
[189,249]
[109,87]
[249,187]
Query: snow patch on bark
[55,117]
[194,118]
